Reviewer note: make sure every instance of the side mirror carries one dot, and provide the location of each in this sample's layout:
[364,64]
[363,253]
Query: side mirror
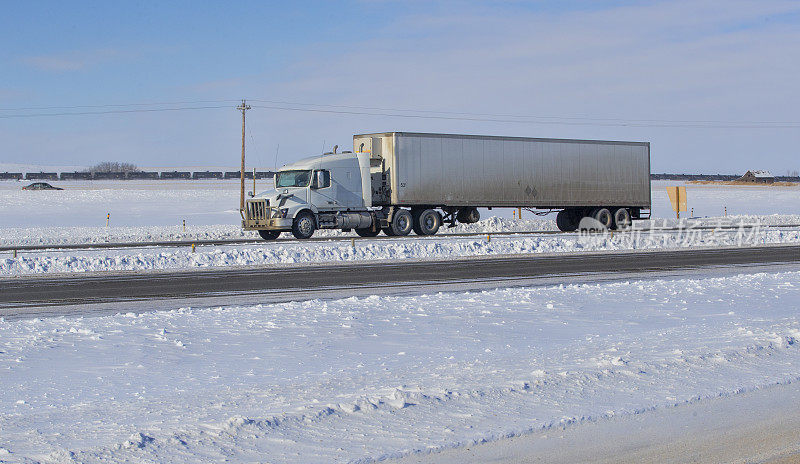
[318,179]
[251,194]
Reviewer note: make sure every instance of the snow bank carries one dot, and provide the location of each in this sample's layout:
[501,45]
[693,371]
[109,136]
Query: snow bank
[16,236]
[363,379]
[287,252]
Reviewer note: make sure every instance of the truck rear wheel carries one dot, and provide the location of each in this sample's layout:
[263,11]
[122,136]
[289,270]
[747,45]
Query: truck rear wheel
[427,222]
[401,223]
[368,232]
[622,218]
[304,225]
[603,216]
[269,234]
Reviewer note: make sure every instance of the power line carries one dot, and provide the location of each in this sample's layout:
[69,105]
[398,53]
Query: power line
[84,113]
[403,113]
[621,123]
[520,116]
[116,105]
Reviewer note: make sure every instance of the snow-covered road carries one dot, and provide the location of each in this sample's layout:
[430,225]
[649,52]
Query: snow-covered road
[360,379]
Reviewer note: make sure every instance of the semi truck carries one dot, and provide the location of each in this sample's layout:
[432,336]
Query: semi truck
[399,182]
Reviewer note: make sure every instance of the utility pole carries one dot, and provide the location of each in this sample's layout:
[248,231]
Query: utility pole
[243,108]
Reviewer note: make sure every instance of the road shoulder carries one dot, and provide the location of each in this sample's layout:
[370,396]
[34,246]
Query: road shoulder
[752,427]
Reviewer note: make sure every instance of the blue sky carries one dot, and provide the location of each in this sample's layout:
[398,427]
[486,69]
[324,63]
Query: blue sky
[591,65]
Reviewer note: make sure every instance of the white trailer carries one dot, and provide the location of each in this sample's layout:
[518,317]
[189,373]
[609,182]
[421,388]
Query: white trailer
[397,182]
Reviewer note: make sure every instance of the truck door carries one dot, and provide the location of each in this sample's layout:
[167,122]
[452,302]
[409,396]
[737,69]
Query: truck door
[323,192]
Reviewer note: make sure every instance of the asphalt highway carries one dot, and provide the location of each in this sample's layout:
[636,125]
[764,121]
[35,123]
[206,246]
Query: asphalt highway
[83,289]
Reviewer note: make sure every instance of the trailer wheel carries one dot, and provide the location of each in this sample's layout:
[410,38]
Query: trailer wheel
[427,222]
[603,216]
[368,232]
[401,222]
[269,235]
[304,225]
[622,219]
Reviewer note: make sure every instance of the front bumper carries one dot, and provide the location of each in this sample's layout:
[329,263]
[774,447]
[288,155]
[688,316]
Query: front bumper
[258,216]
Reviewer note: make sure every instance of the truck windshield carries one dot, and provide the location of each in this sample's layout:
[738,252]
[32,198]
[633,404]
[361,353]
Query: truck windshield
[292,179]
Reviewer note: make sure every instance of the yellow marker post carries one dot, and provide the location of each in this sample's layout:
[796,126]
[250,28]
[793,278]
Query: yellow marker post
[108,218]
[488,238]
[192,247]
[519,213]
[15,254]
[677,196]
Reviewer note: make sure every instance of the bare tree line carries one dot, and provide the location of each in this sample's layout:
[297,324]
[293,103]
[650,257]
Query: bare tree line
[113,166]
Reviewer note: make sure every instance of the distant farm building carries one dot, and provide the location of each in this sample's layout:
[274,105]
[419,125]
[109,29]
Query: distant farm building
[757,177]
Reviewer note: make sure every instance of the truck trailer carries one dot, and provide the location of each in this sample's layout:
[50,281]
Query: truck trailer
[396,182]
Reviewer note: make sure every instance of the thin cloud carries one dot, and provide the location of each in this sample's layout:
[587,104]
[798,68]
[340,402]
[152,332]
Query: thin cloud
[71,61]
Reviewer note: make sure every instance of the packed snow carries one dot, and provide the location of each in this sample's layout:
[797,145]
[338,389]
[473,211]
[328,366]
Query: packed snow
[293,251]
[364,379]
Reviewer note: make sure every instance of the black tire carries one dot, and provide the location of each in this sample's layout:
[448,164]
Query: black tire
[603,216]
[564,221]
[427,222]
[269,235]
[468,215]
[368,232]
[415,215]
[304,225]
[622,218]
[402,223]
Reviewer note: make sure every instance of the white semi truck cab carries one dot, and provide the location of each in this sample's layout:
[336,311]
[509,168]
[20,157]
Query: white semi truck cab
[331,191]
[397,182]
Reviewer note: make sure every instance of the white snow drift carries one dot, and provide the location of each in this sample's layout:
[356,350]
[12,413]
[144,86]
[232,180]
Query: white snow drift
[363,379]
[292,251]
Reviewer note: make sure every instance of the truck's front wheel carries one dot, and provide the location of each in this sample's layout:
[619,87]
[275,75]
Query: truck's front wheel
[304,225]
[269,234]
[368,232]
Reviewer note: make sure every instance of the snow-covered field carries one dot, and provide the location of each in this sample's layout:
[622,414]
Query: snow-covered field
[155,210]
[363,379]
